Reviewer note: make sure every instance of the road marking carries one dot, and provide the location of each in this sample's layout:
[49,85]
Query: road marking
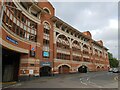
[88,79]
[95,84]
[116,78]
[84,83]
[19,84]
[7,82]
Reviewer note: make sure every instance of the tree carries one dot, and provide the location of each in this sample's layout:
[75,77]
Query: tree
[113,61]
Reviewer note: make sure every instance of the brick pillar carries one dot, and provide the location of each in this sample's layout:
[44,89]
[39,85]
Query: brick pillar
[23,71]
[54,56]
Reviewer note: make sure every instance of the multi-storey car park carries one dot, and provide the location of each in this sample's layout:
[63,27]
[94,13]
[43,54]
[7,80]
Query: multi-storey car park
[37,43]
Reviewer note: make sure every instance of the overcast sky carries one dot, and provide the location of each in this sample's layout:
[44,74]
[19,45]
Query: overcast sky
[100,18]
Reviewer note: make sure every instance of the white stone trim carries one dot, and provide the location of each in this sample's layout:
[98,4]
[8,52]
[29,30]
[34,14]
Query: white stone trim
[47,9]
[17,37]
[15,48]
[63,64]
[26,13]
[45,21]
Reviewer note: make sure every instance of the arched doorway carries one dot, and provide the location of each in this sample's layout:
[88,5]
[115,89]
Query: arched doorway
[98,68]
[102,68]
[82,69]
[45,71]
[64,69]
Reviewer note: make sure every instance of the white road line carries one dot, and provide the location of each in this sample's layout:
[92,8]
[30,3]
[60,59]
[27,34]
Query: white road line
[88,79]
[13,85]
[84,83]
[95,84]
[116,78]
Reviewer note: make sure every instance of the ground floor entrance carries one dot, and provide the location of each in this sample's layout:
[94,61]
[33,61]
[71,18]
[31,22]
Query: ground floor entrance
[64,69]
[98,68]
[10,65]
[45,71]
[82,69]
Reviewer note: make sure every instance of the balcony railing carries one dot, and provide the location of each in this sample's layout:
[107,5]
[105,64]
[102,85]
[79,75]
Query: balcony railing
[17,26]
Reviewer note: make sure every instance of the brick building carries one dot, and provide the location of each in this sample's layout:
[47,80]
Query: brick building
[37,43]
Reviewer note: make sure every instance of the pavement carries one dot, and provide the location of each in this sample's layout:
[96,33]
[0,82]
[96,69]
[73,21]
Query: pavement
[78,80]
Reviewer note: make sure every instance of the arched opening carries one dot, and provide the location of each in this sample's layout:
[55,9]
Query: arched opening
[102,68]
[10,65]
[85,49]
[62,43]
[45,71]
[76,50]
[47,10]
[98,68]
[82,69]
[64,69]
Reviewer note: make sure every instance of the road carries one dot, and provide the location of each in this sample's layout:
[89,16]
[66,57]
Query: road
[78,80]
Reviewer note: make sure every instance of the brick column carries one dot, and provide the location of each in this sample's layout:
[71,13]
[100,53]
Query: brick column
[23,68]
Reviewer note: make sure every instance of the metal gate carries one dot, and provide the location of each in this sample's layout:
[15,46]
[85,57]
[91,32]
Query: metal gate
[8,73]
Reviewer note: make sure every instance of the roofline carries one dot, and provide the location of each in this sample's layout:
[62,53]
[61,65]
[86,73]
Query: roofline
[78,31]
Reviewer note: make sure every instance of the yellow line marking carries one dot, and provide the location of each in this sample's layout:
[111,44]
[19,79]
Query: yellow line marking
[7,82]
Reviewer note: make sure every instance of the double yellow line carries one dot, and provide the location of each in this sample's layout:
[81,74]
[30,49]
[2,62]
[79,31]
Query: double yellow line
[7,82]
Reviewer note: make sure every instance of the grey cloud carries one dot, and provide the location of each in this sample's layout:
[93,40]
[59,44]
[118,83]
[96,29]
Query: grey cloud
[92,16]
[73,13]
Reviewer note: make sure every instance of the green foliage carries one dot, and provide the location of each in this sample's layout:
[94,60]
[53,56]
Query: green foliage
[113,61]
[110,55]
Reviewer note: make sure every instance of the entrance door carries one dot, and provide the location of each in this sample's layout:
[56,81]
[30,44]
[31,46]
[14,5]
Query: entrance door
[64,69]
[82,69]
[10,65]
[45,71]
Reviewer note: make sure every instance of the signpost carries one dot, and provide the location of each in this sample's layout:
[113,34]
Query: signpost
[45,63]
[31,72]
[11,40]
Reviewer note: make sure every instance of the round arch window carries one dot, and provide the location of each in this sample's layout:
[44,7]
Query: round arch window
[47,10]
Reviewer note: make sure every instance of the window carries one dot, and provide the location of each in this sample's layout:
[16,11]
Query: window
[46,31]
[22,4]
[21,33]
[32,37]
[47,10]
[23,19]
[46,26]
[76,58]
[46,42]
[34,12]
[31,64]
[67,31]
[23,27]
[17,30]
[63,56]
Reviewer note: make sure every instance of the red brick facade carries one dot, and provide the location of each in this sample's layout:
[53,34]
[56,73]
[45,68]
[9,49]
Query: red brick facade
[56,44]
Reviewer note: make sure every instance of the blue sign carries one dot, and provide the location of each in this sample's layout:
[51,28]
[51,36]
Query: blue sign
[45,54]
[45,63]
[11,40]
[33,49]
